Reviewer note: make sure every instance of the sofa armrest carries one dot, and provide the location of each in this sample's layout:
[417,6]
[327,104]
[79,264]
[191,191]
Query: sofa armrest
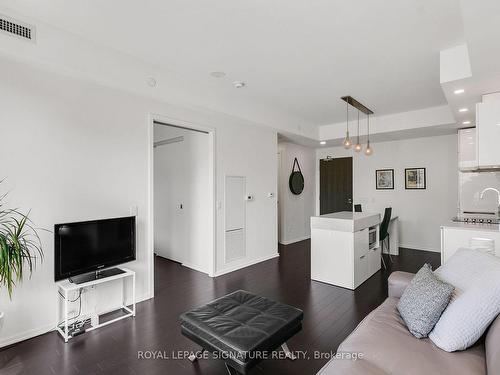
[398,281]
[492,345]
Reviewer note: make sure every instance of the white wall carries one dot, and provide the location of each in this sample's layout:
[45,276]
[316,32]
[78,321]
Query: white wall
[250,152]
[421,212]
[74,150]
[181,177]
[64,51]
[295,210]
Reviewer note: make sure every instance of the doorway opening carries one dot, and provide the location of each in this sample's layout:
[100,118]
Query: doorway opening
[335,185]
[296,165]
[182,193]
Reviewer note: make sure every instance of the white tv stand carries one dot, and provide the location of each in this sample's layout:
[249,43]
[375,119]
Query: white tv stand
[64,289]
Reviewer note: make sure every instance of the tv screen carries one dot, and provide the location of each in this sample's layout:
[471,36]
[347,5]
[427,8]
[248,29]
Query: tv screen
[92,245]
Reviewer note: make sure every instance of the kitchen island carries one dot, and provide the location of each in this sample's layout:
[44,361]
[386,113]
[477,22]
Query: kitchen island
[345,248]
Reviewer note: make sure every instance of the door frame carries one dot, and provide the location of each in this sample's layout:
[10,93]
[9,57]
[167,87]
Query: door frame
[211,132]
[279,196]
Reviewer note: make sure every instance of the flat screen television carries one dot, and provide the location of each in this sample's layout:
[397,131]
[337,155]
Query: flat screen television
[89,246]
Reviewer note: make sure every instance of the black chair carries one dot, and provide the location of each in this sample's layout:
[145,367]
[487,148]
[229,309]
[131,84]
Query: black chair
[384,234]
[357,208]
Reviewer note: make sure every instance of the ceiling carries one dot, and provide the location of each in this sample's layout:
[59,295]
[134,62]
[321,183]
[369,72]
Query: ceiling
[482,34]
[481,20]
[296,57]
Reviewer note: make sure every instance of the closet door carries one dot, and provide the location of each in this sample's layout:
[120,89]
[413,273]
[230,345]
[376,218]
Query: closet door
[235,236]
[171,201]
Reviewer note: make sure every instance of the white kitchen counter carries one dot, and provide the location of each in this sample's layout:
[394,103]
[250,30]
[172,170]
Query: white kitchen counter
[455,235]
[345,221]
[477,226]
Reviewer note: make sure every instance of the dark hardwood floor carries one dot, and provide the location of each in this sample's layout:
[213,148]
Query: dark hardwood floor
[330,314]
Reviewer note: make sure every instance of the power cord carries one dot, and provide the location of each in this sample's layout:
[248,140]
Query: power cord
[79,298]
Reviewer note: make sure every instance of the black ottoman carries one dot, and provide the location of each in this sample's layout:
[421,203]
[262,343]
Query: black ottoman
[240,327]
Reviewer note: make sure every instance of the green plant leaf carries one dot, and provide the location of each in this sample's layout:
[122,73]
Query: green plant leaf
[20,245]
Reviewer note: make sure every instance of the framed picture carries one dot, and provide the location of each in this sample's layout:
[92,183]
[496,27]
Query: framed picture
[384,179]
[415,178]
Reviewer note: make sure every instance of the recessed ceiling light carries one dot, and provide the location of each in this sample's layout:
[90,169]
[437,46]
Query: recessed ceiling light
[322,143]
[239,84]
[151,82]
[218,74]
[466,122]
[459,91]
[463,109]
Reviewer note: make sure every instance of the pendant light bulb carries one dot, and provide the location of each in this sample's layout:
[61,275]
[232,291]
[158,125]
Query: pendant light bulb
[347,141]
[368,150]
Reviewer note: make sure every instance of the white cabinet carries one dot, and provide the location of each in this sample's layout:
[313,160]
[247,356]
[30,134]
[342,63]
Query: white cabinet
[467,150]
[366,255]
[342,258]
[453,238]
[361,262]
[342,253]
[374,260]
[332,257]
[488,134]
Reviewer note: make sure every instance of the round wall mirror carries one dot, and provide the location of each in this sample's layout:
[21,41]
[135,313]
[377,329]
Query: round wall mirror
[296,180]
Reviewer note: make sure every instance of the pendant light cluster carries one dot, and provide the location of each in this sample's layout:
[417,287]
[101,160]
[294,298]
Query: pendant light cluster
[349,100]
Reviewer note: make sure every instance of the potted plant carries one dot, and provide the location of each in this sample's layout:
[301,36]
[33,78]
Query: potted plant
[20,246]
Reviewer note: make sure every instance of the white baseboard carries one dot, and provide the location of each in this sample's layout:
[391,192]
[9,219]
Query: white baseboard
[194,267]
[25,335]
[248,263]
[288,242]
[421,248]
[393,252]
[144,297]
[18,337]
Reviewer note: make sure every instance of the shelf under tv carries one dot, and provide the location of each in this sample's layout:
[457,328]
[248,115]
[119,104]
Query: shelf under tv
[67,327]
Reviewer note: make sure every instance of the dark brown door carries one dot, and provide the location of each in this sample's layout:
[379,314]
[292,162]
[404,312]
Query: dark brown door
[335,192]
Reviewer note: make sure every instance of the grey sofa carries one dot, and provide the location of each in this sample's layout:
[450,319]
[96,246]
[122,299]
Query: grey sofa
[389,348]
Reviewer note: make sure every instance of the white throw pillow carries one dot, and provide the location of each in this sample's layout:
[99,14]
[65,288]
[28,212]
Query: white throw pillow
[475,302]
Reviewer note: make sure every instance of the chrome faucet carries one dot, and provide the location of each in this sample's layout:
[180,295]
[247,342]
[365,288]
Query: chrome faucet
[498,194]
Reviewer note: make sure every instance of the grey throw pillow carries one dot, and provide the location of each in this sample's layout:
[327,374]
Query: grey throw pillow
[423,302]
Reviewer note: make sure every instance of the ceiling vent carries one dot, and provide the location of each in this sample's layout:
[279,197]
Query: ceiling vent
[15,28]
